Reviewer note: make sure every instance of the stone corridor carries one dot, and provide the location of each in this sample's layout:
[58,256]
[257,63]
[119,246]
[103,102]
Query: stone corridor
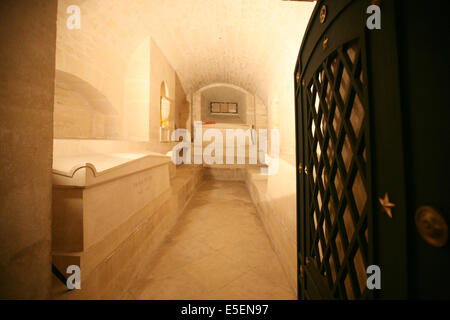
[223,150]
[217,250]
[94,178]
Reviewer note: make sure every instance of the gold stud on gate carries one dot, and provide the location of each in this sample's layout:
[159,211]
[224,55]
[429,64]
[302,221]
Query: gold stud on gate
[323,14]
[297,77]
[432,226]
[300,168]
[303,83]
[387,204]
[325,43]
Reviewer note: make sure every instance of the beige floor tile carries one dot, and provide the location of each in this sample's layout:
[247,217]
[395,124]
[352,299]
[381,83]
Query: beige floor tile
[177,286]
[249,255]
[272,271]
[218,250]
[177,255]
[252,287]
[216,271]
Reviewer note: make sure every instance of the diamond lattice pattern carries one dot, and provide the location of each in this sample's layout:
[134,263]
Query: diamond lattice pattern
[337,161]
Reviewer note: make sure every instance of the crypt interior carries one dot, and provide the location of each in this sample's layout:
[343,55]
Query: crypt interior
[89,115]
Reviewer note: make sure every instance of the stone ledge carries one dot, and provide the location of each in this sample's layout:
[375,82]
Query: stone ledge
[109,279]
[257,187]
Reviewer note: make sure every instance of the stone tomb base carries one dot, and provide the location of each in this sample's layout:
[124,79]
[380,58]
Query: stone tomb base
[110,213]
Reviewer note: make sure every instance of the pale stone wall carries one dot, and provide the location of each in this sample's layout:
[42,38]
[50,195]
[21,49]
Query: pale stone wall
[281,192]
[27,64]
[182,106]
[116,94]
[87,55]
[250,110]
[137,94]
[197,106]
[260,114]
[160,70]
[108,83]
[280,209]
[82,111]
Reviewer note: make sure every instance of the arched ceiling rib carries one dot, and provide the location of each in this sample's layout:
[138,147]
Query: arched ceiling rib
[249,43]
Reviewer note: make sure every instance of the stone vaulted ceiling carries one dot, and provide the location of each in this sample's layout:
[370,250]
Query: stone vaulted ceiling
[249,43]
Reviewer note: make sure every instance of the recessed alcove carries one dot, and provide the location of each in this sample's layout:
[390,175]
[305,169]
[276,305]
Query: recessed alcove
[222,95]
[81,111]
[166,113]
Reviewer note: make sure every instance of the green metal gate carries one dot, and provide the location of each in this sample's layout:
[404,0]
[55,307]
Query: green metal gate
[334,150]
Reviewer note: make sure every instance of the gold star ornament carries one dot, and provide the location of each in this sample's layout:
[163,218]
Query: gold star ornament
[387,204]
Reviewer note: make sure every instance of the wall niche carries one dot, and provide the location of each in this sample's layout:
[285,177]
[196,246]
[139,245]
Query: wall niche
[81,111]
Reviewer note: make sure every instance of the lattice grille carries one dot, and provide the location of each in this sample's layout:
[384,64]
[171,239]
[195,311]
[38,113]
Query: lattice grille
[338,189]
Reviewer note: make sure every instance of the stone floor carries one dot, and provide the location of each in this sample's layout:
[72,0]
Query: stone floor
[217,250]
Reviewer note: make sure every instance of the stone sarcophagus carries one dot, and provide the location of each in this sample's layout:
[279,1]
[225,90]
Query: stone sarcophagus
[98,201]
